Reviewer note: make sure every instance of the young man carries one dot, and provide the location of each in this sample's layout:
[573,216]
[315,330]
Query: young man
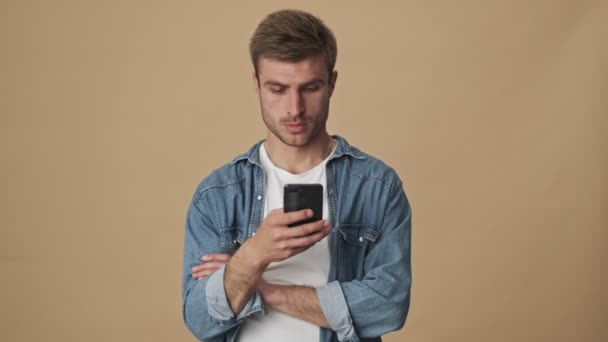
[247,275]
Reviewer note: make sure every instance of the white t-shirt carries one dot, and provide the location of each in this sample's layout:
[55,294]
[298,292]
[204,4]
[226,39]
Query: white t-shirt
[309,268]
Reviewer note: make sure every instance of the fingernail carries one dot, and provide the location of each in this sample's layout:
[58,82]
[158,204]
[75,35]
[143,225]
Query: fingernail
[205,257]
[326,224]
[309,213]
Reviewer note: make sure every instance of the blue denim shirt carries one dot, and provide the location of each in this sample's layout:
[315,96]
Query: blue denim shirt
[368,290]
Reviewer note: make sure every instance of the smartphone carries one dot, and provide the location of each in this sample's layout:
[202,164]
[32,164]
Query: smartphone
[303,196]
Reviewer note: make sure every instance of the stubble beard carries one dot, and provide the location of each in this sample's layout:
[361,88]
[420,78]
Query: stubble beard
[317,127]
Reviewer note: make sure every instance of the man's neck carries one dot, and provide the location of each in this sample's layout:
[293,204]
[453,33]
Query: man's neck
[299,159]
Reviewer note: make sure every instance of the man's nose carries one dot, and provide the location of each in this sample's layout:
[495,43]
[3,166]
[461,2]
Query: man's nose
[296,104]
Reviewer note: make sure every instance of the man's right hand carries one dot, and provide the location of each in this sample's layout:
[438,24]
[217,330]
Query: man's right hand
[275,241]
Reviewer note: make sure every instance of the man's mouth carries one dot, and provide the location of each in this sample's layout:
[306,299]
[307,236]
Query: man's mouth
[295,127]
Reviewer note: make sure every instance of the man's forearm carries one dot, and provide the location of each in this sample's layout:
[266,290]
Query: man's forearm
[297,301]
[240,279]
[274,241]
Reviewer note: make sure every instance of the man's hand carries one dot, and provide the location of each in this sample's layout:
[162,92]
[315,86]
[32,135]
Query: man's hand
[211,263]
[275,241]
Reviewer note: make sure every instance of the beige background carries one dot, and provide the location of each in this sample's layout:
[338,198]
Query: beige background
[494,113]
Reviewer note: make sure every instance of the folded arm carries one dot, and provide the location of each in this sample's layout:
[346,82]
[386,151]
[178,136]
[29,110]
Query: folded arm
[368,307]
[215,305]
[296,301]
[206,311]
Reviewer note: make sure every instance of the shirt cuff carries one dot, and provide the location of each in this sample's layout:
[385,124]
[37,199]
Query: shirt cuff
[217,302]
[336,311]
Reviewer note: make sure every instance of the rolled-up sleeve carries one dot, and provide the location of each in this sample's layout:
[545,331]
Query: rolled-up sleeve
[205,307]
[335,310]
[379,302]
[217,302]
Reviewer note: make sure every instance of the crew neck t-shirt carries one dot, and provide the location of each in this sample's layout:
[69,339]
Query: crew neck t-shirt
[309,268]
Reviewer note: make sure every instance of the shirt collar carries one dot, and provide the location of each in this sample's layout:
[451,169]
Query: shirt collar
[343,148]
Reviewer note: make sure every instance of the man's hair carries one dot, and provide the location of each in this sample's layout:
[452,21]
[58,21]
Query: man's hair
[292,36]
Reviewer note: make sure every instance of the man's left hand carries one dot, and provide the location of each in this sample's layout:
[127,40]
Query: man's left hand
[211,263]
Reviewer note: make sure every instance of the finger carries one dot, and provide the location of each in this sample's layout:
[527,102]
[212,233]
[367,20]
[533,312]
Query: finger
[224,257]
[203,274]
[208,265]
[294,216]
[298,250]
[307,229]
[307,241]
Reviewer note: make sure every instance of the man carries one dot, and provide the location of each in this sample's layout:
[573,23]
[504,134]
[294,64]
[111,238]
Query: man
[247,275]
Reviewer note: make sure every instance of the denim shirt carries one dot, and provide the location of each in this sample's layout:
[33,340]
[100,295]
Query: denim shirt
[368,290]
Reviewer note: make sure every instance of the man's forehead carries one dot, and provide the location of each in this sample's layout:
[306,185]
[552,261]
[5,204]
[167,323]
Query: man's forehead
[286,71]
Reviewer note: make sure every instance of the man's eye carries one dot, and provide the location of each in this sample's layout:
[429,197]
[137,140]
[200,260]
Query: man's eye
[277,90]
[311,89]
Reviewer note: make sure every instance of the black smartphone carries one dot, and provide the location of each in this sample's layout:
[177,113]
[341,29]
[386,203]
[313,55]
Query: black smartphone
[303,196]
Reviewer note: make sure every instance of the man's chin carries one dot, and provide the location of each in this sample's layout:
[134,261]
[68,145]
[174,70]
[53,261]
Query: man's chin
[295,140]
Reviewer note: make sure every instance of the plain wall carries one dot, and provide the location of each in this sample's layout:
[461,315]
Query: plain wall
[494,113]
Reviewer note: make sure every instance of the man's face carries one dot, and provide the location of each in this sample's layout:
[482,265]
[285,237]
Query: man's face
[294,98]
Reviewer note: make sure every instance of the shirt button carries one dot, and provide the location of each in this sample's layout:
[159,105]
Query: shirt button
[259,197]
[360,239]
[253,234]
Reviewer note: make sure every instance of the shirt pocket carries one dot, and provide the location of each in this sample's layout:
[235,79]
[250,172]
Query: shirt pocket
[358,233]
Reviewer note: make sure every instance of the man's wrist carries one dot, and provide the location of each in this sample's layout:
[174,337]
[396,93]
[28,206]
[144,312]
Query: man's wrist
[273,295]
[251,257]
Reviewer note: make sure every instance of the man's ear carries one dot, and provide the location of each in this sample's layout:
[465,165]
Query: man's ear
[332,82]
[256,83]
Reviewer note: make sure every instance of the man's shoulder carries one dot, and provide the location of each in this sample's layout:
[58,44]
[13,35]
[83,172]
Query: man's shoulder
[363,165]
[223,176]
[230,173]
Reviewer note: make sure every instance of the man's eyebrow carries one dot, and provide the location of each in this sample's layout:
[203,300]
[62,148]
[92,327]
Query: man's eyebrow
[312,82]
[275,83]
[303,85]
